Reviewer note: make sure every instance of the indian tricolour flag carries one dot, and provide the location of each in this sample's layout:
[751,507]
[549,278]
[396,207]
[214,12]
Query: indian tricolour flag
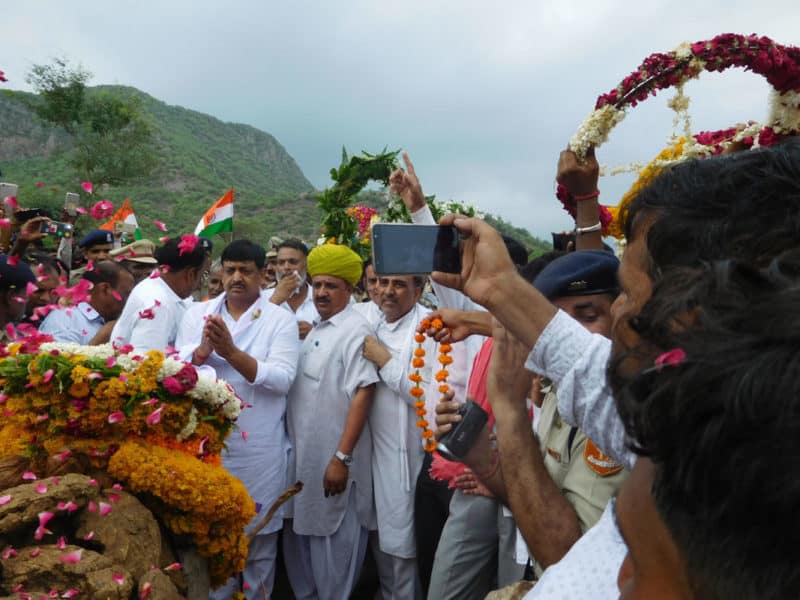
[218,218]
[125,217]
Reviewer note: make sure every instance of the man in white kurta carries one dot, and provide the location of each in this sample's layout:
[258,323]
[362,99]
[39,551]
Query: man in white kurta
[156,306]
[397,442]
[325,542]
[252,344]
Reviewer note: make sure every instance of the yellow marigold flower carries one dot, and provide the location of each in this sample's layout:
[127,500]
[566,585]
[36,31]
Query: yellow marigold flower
[417,392]
[445,360]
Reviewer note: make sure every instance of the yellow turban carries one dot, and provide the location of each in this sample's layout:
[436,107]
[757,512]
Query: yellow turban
[334,259]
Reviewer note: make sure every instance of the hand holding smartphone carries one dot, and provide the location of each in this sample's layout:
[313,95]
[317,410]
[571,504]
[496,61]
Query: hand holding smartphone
[408,249]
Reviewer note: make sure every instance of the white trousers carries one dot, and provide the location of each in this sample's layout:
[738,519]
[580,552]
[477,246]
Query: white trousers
[259,571]
[398,576]
[326,567]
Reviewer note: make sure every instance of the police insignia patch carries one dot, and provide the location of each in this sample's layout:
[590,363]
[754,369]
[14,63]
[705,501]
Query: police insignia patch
[600,463]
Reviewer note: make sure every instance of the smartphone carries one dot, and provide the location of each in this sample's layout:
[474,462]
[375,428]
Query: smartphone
[26,214]
[561,241]
[127,228]
[56,228]
[407,249]
[71,203]
[8,189]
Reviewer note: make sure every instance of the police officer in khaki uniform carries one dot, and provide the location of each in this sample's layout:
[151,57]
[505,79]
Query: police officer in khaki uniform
[584,285]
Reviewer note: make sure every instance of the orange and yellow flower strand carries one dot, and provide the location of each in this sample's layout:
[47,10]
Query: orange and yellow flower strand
[418,362]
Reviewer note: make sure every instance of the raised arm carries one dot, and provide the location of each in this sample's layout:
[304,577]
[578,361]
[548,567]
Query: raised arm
[580,178]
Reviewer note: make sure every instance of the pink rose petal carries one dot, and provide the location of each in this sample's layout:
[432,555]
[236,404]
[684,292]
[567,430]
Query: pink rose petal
[35,552]
[11,202]
[44,517]
[18,588]
[173,567]
[117,486]
[81,210]
[92,482]
[53,593]
[92,507]
[150,402]
[5,223]
[114,497]
[42,418]
[48,375]
[154,418]
[160,225]
[40,488]
[8,553]
[70,593]
[105,508]
[89,536]
[118,578]
[244,435]
[67,506]
[62,456]
[29,476]
[30,288]
[3,398]
[116,417]
[62,543]
[87,186]
[5,499]
[145,591]
[117,296]
[71,557]
[13,260]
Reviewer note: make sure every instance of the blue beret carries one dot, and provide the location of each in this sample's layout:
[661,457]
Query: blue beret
[16,277]
[579,274]
[98,236]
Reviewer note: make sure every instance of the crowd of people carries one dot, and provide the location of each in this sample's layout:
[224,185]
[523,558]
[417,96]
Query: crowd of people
[642,420]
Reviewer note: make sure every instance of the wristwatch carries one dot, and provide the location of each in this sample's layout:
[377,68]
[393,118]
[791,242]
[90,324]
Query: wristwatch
[345,458]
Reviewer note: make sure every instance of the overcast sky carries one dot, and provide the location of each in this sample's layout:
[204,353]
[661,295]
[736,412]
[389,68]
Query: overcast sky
[482,95]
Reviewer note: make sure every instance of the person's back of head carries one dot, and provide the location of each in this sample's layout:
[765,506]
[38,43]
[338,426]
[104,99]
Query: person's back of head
[719,417]
[744,205]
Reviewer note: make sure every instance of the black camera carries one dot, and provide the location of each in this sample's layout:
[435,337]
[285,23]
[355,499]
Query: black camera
[455,444]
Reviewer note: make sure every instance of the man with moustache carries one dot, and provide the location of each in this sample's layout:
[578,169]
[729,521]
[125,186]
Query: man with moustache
[329,403]
[252,344]
[397,445]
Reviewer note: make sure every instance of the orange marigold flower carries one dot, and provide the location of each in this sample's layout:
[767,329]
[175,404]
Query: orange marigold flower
[444,388]
[427,434]
[445,348]
[422,423]
[442,375]
[419,338]
[415,377]
[430,446]
[437,323]
[419,404]
[417,392]
[419,352]
[421,412]
[418,363]
[425,323]
[445,360]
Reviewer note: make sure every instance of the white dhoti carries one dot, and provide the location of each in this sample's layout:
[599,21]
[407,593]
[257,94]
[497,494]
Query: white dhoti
[326,567]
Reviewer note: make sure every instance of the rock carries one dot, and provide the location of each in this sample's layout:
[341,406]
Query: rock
[93,575]
[161,588]
[195,569]
[11,470]
[129,534]
[26,503]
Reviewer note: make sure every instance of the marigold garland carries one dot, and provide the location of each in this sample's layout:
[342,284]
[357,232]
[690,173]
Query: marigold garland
[418,362]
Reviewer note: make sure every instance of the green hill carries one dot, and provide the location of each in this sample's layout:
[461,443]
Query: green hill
[199,158]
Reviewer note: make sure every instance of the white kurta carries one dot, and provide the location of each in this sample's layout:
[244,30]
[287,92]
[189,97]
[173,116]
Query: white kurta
[307,311]
[396,440]
[151,317]
[269,335]
[332,367]
[370,311]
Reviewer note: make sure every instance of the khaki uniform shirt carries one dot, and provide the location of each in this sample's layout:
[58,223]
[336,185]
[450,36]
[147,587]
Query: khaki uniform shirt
[587,477]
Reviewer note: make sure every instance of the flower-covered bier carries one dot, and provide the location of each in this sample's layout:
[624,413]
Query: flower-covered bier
[90,398]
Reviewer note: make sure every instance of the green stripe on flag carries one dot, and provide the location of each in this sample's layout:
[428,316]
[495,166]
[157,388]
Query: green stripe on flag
[224,226]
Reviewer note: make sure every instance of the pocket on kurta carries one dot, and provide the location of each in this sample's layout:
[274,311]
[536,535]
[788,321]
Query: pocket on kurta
[314,364]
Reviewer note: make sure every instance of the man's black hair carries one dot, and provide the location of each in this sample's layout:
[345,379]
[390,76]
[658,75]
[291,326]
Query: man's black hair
[723,427]
[533,268]
[518,252]
[295,244]
[744,205]
[244,251]
[105,271]
[170,255]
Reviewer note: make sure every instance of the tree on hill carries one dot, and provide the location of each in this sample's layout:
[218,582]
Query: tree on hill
[114,143]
